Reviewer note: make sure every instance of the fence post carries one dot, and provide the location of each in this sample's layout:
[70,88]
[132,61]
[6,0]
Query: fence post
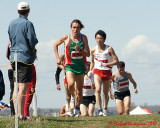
[16,86]
[35,104]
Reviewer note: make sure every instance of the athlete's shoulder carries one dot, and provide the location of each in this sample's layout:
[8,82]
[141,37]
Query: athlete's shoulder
[129,74]
[84,38]
[109,47]
[65,36]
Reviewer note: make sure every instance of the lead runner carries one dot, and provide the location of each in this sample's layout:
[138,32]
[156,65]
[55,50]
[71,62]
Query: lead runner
[76,50]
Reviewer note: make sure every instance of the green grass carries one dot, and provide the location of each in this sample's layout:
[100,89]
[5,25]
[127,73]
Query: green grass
[84,122]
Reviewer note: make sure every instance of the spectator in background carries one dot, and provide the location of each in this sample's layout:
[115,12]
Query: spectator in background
[2,86]
[10,76]
[23,40]
[30,91]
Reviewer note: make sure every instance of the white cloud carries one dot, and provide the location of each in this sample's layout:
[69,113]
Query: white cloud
[141,50]
[46,57]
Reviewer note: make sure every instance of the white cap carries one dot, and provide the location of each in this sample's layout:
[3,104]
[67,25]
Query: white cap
[23,6]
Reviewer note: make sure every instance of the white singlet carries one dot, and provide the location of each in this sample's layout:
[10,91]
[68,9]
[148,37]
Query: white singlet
[87,89]
[103,57]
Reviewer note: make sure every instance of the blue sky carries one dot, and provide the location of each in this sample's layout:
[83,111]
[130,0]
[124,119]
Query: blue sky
[132,28]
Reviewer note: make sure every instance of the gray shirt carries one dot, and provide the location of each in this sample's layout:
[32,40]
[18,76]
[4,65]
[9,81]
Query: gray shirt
[121,84]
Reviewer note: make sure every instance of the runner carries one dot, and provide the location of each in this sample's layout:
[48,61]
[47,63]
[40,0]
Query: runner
[121,85]
[88,101]
[68,94]
[102,60]
[64,111]
[76,50]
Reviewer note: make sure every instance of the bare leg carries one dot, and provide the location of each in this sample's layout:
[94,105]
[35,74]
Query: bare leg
[98,83]
[127,105]
[106,85]
[68,94]
[119,105]
[71,81]
[83,110]
[22,88]
[79,86]
[91,108]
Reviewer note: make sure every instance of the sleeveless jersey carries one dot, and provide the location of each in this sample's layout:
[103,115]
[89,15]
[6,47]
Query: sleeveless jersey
[121,84]
[103,58]
[87,89]
[74,60]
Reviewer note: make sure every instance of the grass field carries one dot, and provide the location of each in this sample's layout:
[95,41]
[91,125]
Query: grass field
[138,121]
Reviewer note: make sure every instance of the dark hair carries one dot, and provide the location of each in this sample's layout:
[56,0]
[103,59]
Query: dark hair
[79,22]
[102,33]
[121,64]
[23,12]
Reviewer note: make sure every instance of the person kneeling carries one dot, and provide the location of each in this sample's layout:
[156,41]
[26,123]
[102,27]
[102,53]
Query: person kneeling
[88,102]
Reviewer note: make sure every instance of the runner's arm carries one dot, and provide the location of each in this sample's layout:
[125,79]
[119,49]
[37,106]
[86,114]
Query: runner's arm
[133,82]
[61,66]
[57,75]
[92,59]
[56,44]
[112,53]
[86,50]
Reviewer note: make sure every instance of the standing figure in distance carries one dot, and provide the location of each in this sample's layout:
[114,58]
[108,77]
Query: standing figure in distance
[10,76]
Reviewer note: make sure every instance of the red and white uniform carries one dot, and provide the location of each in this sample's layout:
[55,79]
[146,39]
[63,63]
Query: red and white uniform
[105,72]
[103,57]
[87,88]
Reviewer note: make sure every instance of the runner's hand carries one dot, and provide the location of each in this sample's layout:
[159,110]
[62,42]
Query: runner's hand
[111,96]
[59,62]
[78,48]
[89,74]
[101,64]
[135,91]
[58,87]
[32,90]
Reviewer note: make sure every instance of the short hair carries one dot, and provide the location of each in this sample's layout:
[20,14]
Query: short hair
[79,22]
[121,64]
[23,12]
[102,33]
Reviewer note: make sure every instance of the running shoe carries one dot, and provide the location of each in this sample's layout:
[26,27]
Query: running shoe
[105,112]
[28,117]
[77,113]
[100,113]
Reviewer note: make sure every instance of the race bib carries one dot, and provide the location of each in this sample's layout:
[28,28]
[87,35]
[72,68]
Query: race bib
[124,84]
[76,55]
